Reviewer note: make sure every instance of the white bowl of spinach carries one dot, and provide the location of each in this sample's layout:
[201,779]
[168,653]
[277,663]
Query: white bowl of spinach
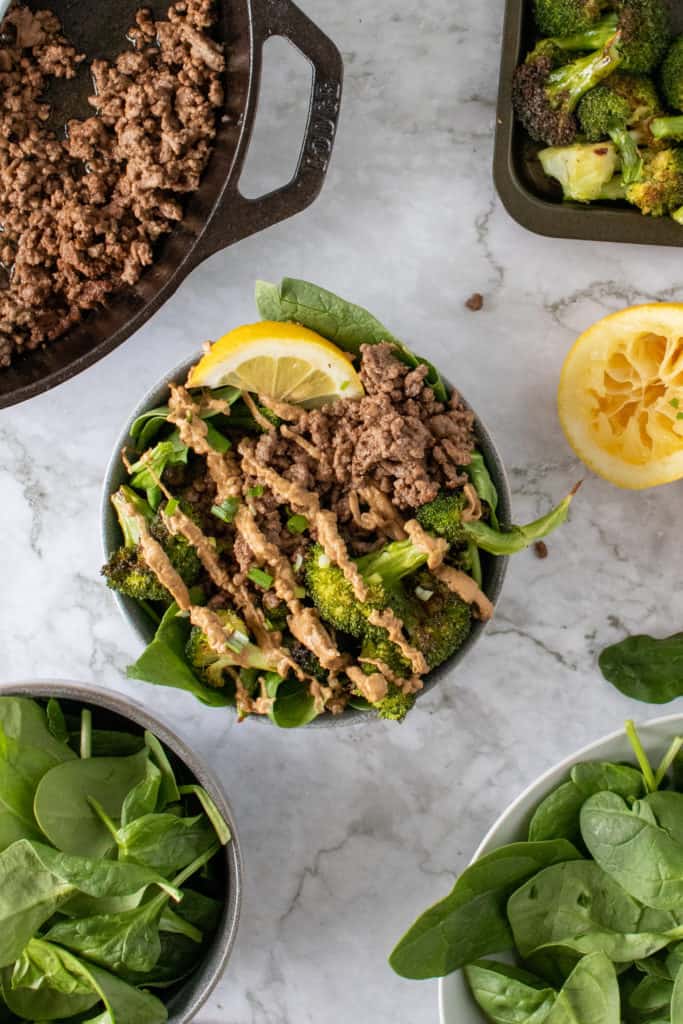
[572,908]
[120,872]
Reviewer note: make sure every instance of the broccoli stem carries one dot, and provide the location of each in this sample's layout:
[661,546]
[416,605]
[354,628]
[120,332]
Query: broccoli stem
[667,127]
[518,537]
[631,160]
[392,562]
[568,84]
[677,215]
[124,499]
[613,190]
[593,38]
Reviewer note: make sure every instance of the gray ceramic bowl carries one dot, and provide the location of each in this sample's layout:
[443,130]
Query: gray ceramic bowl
[494,569]
[119,711]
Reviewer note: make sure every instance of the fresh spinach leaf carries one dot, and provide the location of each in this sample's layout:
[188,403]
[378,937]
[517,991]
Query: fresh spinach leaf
[107,743]
[667,809]
[150,467]
[56,722]
[61,801]
[471,922]
[508,995]
[144,797]
[480,478]
[590,994]
[202,911]
[124,1003]
[36,880]
[42,1001]
[210,810]
[177,925]
[651,994]
[164,661]
[577,907]
[168,790]
[557,817]
[677,999]
[347,325]
[645,668]
[643,858]
[293,706]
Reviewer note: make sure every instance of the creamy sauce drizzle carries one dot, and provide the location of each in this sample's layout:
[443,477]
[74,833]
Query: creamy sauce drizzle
[473,510]
[388,620]
[465,587]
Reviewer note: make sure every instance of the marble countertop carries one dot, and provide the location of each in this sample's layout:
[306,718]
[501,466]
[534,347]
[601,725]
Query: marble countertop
[348,834]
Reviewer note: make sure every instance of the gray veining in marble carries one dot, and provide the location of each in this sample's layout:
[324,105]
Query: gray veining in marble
[348,834]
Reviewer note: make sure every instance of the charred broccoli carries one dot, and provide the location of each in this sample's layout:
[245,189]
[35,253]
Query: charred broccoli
[660,188]
[672,75]
[565,17]
[584,170]
[126,571]
[545,97]
[211,666]
[396,705]
[444,516]
[621,102]
[644,30]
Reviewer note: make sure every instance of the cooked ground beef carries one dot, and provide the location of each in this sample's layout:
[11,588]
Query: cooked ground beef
[398,438]
[79,215]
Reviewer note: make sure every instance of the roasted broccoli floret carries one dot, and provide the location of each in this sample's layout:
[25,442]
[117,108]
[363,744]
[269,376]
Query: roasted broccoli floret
[545,97]
[436,621]
[619,103]
[305,659]
[584,170]
[565,17]
[126,571]
[644,29]
[660,188]
[444,516]
[672,75]
[396,705]
[382,572]
[211,666]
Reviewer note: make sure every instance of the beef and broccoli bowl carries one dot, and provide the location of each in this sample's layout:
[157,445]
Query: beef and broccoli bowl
[311,522]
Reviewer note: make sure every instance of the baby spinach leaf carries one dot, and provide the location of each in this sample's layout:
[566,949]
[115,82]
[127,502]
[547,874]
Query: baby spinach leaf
[165,842]
[590,994]
[347,325]
[61,801]
[480,478]
[667,809]
[202,911]
[168,792]
[24,722]
[56,722]
[577,907]
[645,668]
[143,798]
[210,810]
[42,1001]
[177,925]
[677,999]
[164,662]
[643,858]
[125,1004]
[508,995]
[471,922]
[293,706]
[151,465]
[557,816]
[651,994]
[36,880]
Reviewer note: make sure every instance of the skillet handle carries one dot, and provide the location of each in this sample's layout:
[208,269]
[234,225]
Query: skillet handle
[235,217]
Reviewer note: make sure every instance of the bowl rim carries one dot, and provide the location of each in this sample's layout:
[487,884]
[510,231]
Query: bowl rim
[538,784]
[351,717]
[221,949]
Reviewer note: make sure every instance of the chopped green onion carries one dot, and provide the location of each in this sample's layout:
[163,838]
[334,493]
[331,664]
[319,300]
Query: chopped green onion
[299,592]
[297,524]
[260,578]
[423,594]
[237,641]
[344,385]
[324,562]
[171,506]
[255,492]
[674,402]
[298,562]
[218,441]
[679,415]
[226,510]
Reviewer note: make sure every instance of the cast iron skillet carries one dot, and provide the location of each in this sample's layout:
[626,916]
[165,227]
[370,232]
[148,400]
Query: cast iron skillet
[493,569]
[217,215]
[528,195]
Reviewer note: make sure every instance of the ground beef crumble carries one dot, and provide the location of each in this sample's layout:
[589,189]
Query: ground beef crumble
[398,438]
[79,215]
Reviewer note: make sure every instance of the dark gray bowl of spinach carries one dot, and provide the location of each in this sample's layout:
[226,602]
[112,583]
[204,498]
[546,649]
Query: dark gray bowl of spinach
[120,870]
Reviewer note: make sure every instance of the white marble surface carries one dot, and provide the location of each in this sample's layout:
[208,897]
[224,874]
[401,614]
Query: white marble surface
[348,834]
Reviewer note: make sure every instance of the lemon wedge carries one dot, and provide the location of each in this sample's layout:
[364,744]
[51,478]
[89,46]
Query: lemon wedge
[280,360]
[620,398]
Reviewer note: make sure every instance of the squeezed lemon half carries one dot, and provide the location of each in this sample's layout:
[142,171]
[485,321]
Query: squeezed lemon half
[280,360]
[620,397]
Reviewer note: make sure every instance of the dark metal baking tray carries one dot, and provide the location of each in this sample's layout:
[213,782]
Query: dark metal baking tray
[217,215]
[531,198]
